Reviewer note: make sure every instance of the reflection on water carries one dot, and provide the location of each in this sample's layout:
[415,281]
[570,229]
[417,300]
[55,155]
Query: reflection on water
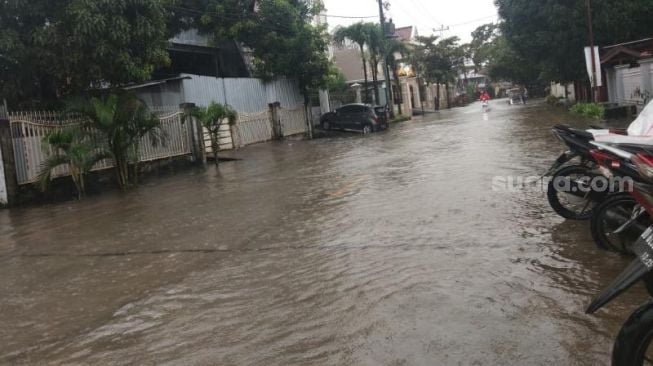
[386,249]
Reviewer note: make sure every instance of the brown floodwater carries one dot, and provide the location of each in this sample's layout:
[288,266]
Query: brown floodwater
[389,249]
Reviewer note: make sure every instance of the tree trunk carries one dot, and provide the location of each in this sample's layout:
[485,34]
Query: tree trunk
[122,171]
[82,186]
[395,75]
[367,92]
[215,146]
[446,91]
[390,103]
[375,80]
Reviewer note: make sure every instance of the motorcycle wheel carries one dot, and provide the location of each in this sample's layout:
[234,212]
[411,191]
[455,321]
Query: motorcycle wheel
[633,344]
[573,204]
[610,215]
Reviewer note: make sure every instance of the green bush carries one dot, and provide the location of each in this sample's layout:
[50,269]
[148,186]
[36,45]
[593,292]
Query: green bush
[589,110]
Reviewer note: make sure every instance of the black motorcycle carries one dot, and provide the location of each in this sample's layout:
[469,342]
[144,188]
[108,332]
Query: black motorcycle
[568,191]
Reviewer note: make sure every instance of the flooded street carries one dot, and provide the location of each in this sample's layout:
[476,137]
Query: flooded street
[389,249]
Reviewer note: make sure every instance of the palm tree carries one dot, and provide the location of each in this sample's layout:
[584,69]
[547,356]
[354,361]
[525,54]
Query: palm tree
[123,120]
[356,33]
[74,148]
[439,60]
[393,48]
[212,118]
[376,45]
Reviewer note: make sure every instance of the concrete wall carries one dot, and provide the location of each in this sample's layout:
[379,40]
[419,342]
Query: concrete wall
[630,85]
[558,91]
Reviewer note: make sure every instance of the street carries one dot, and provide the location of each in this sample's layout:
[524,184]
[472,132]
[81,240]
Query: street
[388,249]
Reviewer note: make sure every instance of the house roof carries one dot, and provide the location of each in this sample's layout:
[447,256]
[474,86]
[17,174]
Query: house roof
[155,82]
[190,37]
[628,52]
[629,43]
[349,62]
[406,34]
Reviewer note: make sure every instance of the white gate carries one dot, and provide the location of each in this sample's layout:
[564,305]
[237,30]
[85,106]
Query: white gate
[293,121]
[29,129]
[252,128]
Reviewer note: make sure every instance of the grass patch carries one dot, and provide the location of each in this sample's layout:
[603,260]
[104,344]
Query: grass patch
[589,110]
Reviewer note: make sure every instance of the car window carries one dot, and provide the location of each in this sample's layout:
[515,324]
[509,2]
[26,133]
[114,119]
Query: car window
[350,109]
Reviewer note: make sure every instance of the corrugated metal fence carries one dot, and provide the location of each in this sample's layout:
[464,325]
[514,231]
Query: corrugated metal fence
[245,95]
[250,97]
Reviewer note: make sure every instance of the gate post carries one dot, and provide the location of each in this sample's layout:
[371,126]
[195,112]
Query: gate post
[277,129]
[8,175]
[196,133]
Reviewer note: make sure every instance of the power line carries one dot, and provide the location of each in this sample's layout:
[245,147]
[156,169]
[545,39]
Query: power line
[349,17]
[420,5]
[475,20]
[414,20]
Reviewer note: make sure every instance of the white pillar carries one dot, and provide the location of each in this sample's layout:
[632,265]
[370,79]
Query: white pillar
[359,97]
[325,104]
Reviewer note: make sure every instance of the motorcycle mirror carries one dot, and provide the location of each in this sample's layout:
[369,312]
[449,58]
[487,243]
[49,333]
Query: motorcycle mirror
[633,273]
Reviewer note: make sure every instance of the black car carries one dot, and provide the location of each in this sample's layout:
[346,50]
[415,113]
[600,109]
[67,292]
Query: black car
[357,117]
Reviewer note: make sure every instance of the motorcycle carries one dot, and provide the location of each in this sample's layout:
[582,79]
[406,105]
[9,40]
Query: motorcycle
[632,344]
[618,220]
[574,201]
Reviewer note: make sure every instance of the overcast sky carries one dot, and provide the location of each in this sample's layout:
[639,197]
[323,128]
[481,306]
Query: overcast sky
[461,16]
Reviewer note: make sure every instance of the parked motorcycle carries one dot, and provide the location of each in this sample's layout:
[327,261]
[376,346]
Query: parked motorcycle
[632,344]
[567,194]
[619,220]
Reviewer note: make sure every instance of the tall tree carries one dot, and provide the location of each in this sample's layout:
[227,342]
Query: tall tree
[356,33]
[552,34]
[439,60]
[377,44]
[49,49]
[396,51]
[482,44]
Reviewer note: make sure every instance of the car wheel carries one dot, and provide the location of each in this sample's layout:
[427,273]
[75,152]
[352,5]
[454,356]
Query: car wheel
[367,129]
[326,126]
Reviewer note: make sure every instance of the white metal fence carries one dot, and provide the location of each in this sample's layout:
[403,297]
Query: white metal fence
[29,129]
[175,139]
[252,128]
[293,121]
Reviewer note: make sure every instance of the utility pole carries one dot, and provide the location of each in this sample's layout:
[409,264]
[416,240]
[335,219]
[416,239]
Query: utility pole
[386,73]
[441,30]
[595,93]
